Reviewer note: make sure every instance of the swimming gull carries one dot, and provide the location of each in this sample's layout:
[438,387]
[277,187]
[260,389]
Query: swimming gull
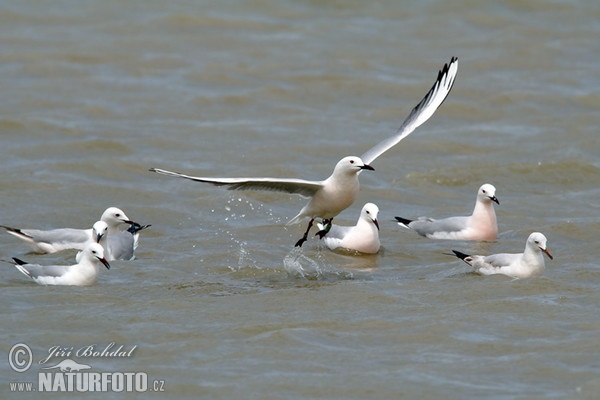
[481,225]
[362,237]
[54,240]
[520,265]
[84,273]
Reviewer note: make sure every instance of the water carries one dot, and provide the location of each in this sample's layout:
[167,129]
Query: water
[218,303]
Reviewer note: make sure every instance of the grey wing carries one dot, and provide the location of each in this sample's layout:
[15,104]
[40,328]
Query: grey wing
[36,270]
[121,245]
[421,113]
[65,235]
[293,186]
[428,226]
[337,231]
[501,259]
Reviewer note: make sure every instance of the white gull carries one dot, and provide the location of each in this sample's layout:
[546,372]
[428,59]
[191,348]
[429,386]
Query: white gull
[84,273]
[331,196]
[119,242]
[517,265]
[481,225]
[362,237]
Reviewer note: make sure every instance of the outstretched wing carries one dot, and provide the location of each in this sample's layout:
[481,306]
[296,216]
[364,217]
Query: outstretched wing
[293,186]
[421,113]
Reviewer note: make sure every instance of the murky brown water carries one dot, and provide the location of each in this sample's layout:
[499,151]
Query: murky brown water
[218,303]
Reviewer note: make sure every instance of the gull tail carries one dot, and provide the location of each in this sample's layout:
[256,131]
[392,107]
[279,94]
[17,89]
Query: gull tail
[19,265]
[135,228]
[16,232]
[460,255]
[20,262]
[403,222]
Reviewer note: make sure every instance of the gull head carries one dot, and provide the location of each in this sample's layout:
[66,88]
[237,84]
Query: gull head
[114,217]
[369,213]
[99,229]
[538,241]
[351,165]
[487,192]
[94,251]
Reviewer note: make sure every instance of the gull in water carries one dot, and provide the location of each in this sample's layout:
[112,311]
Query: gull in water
[84,273]
[54,240]
[362,237]
[331,196]
[481,225]
[522,265]
[117,246]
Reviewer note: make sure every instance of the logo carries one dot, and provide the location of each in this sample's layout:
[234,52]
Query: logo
[69,366]
[20,357]
[69,369]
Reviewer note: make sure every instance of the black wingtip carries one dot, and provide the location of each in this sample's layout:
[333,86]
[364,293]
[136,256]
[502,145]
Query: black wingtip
[15,230]
[20,262]
[460,255]
[403,221]
[134,227]
[446,67]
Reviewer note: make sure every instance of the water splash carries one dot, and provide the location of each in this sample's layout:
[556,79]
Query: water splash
[296,264]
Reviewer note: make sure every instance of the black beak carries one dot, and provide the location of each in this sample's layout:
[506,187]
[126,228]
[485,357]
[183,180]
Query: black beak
[376,224]
[99,237]
[367,167]
[495,200]
[103,261]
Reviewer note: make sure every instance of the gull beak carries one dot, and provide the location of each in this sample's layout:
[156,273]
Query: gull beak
[376,224]
[548,253]
[367,167]
[495,200]
[99,237]
[103,261]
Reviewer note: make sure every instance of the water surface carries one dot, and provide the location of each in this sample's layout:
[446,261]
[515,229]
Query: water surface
[218,302]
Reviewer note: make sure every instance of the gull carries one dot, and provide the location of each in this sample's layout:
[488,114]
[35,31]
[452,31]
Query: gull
[54,240]
[522,265]
[362,237]
[122,245]
[331,196]
[481,225]
[117,246]
[99,233]
[84,273]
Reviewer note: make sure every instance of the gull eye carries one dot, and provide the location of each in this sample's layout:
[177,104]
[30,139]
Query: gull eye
[117,215]
[351,161]
[536,241]
[368,212]
[483,190]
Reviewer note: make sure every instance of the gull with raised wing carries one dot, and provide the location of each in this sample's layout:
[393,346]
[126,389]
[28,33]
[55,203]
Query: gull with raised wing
[84,273]
[362,237]
[518,265]
[54,240]
[331,196]
[481,225]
